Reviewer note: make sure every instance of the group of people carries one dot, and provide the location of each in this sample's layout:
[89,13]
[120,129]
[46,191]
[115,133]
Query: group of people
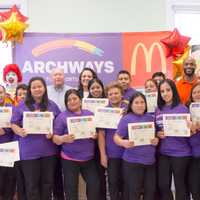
[50,165]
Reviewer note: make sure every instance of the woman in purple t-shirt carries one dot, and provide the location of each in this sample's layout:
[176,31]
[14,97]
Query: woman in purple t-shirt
[138,161]
[77,154]
[38,154]
[194,171]
[174,152]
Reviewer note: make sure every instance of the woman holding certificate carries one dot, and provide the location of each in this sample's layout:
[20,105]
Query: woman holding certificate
[32,120]
[175,152]
[111,153]
[194,171]
[74,130]
[136,133]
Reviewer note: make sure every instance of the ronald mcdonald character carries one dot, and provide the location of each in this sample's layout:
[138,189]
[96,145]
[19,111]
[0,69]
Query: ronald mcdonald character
[12,76]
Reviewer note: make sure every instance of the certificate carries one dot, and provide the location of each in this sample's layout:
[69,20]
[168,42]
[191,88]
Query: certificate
[38,122]
[9,153]
[141,133]
[92,103]
[151,101]
[108,117]
[81,127]
[5,116]
[195,112]
[176,125]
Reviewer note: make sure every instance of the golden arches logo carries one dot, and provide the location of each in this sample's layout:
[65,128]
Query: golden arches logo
[148,57]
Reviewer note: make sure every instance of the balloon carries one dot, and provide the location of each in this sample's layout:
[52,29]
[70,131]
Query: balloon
[178,64]
[13,29]
[175,43]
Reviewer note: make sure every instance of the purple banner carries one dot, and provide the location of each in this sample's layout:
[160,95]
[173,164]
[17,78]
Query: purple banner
[41,52]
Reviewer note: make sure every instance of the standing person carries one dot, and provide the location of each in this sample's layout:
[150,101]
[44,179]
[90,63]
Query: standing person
[158,77]
[139,170]
[175,152]
[7,189]
[85,76]
[38,154]
[110,153]
[96,90]
[189,79]
[124,79]
[194,171]
[20,93]
[56,92]
[77,155]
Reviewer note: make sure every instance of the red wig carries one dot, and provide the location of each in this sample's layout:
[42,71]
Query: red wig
[13,68]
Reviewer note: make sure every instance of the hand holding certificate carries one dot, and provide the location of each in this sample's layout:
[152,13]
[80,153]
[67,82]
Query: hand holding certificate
[176,125]
[38,122]
[81,127]
[5,116]
[108,117]
[92,103]
[141,133]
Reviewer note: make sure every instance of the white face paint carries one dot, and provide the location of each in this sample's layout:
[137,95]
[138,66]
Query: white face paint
[11,78]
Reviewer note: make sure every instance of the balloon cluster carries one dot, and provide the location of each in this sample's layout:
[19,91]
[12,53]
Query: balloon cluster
[176,45]
[12,25]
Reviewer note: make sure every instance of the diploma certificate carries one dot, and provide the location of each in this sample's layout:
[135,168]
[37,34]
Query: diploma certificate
[92,103]
[141,133]
[108,117]
[81,127]
[151,101]
[5,116]
[195,112]
[9,153]
[38,122]
[176,125]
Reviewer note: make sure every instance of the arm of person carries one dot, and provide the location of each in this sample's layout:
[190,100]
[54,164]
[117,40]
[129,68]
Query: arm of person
[18,130]
[61,139]
[123,142]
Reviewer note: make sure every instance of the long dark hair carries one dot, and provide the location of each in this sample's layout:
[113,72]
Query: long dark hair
[80,86]
[175,97]
[29,101]
[68,93]
[134,96]
[96,80]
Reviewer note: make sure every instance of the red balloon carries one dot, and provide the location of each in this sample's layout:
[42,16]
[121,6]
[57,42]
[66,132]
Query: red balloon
[175,43]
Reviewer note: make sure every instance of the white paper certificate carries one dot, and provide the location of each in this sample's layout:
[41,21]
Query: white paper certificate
[151,101]
[9,153]
[5,116]
[141,133]
[92,103]
[108,117]
[81,127]
[195,112]
[38,122]
[176,125]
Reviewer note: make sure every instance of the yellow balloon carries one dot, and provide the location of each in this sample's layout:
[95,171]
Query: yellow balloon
[178,64]
[13,29]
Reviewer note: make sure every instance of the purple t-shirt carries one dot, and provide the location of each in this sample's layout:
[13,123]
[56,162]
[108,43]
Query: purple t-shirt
[195,144]
[7,137]
[128,93]
[112,149]
[80,149]
[34,146]
[172,146]
[140,154]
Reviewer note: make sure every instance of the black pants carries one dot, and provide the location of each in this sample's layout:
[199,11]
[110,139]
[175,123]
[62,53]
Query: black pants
[178,166]
[39,177]
[194,178]
[115,179]
[21,192]
[88,170]
[7,183]
[139,178]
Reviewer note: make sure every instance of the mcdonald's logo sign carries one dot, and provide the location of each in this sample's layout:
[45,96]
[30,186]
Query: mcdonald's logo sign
[148,53]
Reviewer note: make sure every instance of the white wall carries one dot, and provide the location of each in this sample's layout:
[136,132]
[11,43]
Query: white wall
[96,15]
